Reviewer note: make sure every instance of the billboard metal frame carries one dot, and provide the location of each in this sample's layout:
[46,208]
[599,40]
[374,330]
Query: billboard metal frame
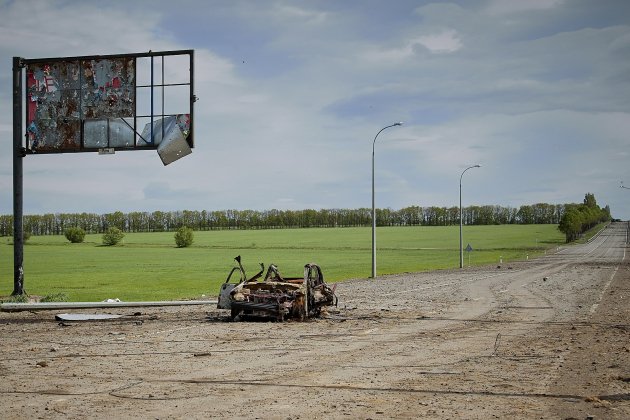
[153,116]
[21,144]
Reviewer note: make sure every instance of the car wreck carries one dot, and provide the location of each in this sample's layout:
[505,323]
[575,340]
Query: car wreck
[276,296]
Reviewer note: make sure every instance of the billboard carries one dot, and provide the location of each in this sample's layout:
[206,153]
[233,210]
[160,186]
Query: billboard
[108,103]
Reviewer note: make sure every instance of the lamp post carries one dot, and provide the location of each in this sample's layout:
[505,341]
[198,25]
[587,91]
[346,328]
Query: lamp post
[628,228]
[373,202]
[461,218]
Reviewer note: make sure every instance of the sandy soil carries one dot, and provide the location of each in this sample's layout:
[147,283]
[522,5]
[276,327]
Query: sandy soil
[548,338]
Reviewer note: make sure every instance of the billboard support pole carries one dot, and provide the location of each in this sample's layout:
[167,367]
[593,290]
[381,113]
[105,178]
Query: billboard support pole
[18,180]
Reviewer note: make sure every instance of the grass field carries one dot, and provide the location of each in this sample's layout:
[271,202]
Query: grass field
[148,266]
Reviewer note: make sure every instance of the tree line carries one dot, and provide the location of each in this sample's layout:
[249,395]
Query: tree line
[578,218]
[171,221]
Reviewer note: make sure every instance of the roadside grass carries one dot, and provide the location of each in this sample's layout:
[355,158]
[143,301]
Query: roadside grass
[588,235]
[149,266]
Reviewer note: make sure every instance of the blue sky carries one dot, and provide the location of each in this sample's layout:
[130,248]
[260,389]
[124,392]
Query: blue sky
[292,93]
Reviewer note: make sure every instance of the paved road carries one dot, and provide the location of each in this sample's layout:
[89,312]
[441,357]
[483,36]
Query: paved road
[607,247]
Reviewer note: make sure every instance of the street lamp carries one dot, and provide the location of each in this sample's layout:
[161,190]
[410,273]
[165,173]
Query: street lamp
[373,203]
[461,218]
[623,186]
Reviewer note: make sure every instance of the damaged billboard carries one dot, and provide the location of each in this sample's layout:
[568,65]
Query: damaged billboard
[82,104]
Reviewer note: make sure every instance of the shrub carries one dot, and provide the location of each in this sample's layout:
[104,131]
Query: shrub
[23,298]
[55,297]
[75,235]
[184,237]
[25,237]
[112,236]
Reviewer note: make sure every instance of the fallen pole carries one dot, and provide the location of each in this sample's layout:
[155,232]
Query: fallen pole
[17,307]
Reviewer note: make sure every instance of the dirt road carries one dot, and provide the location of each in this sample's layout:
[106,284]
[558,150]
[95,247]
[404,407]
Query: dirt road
[548,338]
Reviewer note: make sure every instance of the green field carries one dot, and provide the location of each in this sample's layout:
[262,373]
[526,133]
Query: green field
[148,266]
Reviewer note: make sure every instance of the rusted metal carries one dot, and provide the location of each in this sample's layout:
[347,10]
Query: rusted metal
[276,296]
[62,94]
[90,103]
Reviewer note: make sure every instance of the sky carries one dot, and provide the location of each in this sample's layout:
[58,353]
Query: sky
[293,93]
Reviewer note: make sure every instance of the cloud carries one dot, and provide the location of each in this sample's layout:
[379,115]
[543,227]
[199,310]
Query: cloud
[446,41]
[503,7]
[158,191]
[290,12]
[56,28]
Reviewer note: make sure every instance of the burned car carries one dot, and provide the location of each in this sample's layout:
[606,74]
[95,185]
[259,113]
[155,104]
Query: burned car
[274,295]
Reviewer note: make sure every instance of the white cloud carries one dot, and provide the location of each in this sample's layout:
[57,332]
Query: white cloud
[506,7]
[291,12]
[47,29]
[446,41]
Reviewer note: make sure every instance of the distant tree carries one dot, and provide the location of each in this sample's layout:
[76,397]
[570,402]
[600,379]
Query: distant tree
[589,200]
[170,221]
[75,235]
[184,237]
[112,236]
[116,219]
[571,224]
[525,215]
[578,218]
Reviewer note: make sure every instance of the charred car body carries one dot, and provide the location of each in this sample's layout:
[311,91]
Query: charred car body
[276,296]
